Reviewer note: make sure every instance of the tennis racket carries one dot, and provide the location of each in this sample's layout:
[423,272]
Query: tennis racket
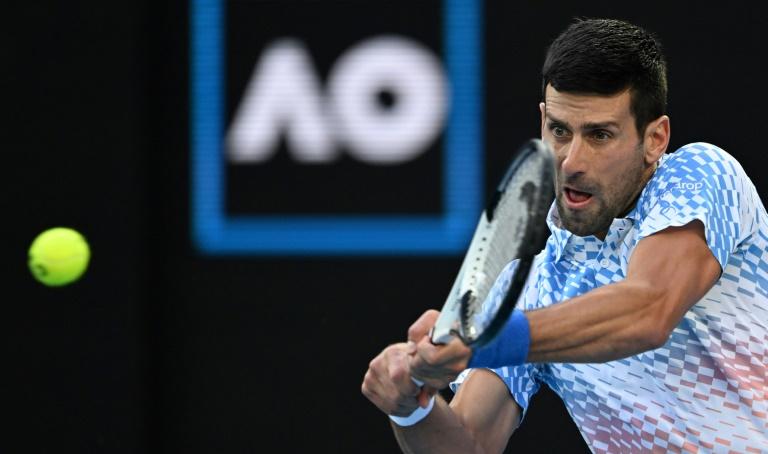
[512,227]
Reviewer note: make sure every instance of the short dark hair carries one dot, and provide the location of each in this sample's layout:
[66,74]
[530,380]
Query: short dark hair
[607,56]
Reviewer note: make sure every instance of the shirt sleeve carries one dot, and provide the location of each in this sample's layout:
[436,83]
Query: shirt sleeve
[522,381]
[701,182]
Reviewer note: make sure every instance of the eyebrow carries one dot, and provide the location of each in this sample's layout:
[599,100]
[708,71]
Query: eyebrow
[586,126]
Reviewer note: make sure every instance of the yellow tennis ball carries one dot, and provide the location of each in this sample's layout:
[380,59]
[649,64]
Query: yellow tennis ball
[59,256]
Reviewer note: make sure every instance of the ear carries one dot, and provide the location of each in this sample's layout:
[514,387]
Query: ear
[656,139]
[543,109]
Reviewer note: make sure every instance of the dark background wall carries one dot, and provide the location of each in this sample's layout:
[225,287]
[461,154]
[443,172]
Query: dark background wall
[161,348]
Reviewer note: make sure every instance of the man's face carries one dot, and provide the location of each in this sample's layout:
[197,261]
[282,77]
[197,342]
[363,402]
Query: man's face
[601,165]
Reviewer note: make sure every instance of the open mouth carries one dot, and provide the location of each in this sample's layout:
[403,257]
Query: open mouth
[576,198]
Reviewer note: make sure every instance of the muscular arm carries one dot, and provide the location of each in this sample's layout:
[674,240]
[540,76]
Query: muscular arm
[667,273]
[480,419]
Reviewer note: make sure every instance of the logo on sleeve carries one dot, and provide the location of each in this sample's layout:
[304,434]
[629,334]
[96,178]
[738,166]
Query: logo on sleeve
[689,186]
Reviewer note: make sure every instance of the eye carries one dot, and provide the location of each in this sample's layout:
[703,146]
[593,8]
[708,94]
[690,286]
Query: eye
[601,135]
[558,131]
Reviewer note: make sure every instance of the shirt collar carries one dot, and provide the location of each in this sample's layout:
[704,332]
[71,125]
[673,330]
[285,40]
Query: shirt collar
[561,237]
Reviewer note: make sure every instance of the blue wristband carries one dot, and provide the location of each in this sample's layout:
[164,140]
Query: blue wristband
[509,348]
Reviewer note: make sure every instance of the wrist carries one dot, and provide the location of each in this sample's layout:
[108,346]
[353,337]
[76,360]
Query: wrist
[509,348]
[417,415]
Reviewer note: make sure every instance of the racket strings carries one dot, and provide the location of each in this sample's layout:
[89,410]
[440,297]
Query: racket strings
[502,244]
[503,241]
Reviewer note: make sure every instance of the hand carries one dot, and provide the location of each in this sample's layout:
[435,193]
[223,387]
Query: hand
[435,365]
[389,386]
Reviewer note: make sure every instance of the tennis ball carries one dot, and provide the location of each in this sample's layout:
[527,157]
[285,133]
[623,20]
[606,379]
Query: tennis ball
[58,256]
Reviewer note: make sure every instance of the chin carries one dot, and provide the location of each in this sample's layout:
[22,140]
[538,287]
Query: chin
[578,229]
[583,224]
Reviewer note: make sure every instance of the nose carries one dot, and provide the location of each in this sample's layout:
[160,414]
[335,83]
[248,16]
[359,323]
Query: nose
[574,157]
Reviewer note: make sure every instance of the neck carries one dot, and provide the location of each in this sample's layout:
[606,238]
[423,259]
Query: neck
[646,177]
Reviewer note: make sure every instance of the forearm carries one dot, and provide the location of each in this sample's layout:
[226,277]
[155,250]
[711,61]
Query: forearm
[440,432]
[608,323]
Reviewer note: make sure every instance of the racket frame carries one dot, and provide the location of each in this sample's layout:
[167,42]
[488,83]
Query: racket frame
[453,320]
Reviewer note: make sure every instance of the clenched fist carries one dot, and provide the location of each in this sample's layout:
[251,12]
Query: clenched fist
[388,382]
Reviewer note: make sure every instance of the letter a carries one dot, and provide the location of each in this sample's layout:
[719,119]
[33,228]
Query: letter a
[282,97]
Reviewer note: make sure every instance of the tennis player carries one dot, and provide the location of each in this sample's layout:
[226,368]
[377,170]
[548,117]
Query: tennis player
[647,312]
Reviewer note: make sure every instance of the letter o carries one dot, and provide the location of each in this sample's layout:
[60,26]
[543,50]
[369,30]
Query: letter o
[372,132]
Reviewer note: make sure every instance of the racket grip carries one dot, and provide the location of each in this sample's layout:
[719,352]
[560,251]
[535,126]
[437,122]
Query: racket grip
[508,348]
[418,382]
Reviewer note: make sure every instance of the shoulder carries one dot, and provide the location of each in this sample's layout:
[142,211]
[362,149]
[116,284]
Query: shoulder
[698,161]
[694,167]
[696,178]
[700,181]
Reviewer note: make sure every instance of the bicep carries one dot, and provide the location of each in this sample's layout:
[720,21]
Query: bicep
[486,408]
[677,266]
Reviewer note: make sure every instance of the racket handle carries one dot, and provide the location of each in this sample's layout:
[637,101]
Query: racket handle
[418,382]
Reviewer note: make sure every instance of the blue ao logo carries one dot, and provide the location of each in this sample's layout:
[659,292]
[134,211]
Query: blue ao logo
[284,101]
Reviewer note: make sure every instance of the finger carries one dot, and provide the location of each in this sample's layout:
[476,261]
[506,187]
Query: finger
[423,325]
[372,385]
[383,394]
[424,363]
[379,375]
[453,354]
[437,380]
[399,375]
[437,366]
[370,390]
